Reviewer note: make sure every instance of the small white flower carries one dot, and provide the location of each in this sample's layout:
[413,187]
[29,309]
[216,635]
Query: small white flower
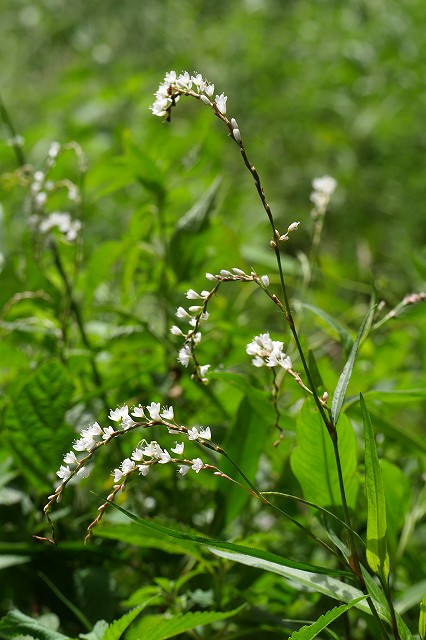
[70,458]
[119,413]
[153,450]
[138,412]
[225,273]
[206,100]
[326,185]
[143,469]
[239,272]
[154,410]
[265,281]
[205,293]
[94,430]
[127,465]
[203,369]
[167,413]
[64,472]
[192,295]
[118,475]
[193,434]
[108,431]
[195,309]
[206,434]
[178,448]
[184,355]
[137,455]
[197,464]
[164,457]
[183,469]
[221,103]
[176,331]
[234,123]
[210,276]
[54,150]
[236,135]
[292,227]
[182,313]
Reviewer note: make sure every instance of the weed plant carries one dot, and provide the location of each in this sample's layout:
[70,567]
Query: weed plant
[287,467]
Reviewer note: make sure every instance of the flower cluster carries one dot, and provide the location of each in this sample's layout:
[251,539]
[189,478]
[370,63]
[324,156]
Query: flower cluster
[268,353]
[142,458]
[323,188]
[197,314]
[173,86]
[41,187]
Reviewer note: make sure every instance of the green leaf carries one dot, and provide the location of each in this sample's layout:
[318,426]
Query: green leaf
[422,618]
[97,633]
[311,631]
[244,444]
[184,246]
[229,546]
[158,627]
[11,561]
[35,429]
[411,597]
[312,581]
[15,622]
[117,628]
[342,385]
[313,461]
[377,552]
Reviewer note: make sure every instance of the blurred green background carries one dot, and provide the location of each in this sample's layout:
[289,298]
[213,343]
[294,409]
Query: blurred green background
[317,87]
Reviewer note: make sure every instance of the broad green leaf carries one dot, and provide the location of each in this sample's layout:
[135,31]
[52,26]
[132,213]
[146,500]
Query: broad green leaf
[244,444]
[34,427]
[422,618]
[117,628]
[185,251]
[313,461]
[11,561]
[311,631]
[15,622]
[161,529]
[342,385]
[377,552]
[157,627]
[397,490]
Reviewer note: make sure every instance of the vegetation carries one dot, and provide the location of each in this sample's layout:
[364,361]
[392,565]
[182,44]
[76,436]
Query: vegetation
[279,500]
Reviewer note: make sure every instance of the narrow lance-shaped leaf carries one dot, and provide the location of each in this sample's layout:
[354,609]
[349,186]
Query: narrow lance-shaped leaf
[377,552]
[311,631]
[422,619]
[342,385]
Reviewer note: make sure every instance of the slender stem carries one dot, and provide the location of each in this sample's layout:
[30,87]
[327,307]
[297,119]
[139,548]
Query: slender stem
[20,157]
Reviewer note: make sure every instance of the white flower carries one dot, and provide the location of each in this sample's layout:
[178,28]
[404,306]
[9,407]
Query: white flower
[236,135]
[183,469]
[70,458]
[64,472]
[93,430]
[206,434]
[184,81]
[138,412]
[164,457]
[153,450]
[192,295]
[221,103]
[203,369]
[108,431]
[182,313]
[84,444]
[326,185]
[184,355]
[167,413]
[118,474]
[268,352]
[265,281]
[178,448]
[154,410]
[176,331]
[127,465]
[143,469]
[195,308]
[197,464]
[292,227]
[137,455]
[225,273]
[210,276]
[54,150]
[193,434]
[206,100]
[119,413]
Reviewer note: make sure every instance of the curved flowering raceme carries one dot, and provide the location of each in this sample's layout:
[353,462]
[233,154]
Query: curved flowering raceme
[197,314]
[174,86]
[142,458]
